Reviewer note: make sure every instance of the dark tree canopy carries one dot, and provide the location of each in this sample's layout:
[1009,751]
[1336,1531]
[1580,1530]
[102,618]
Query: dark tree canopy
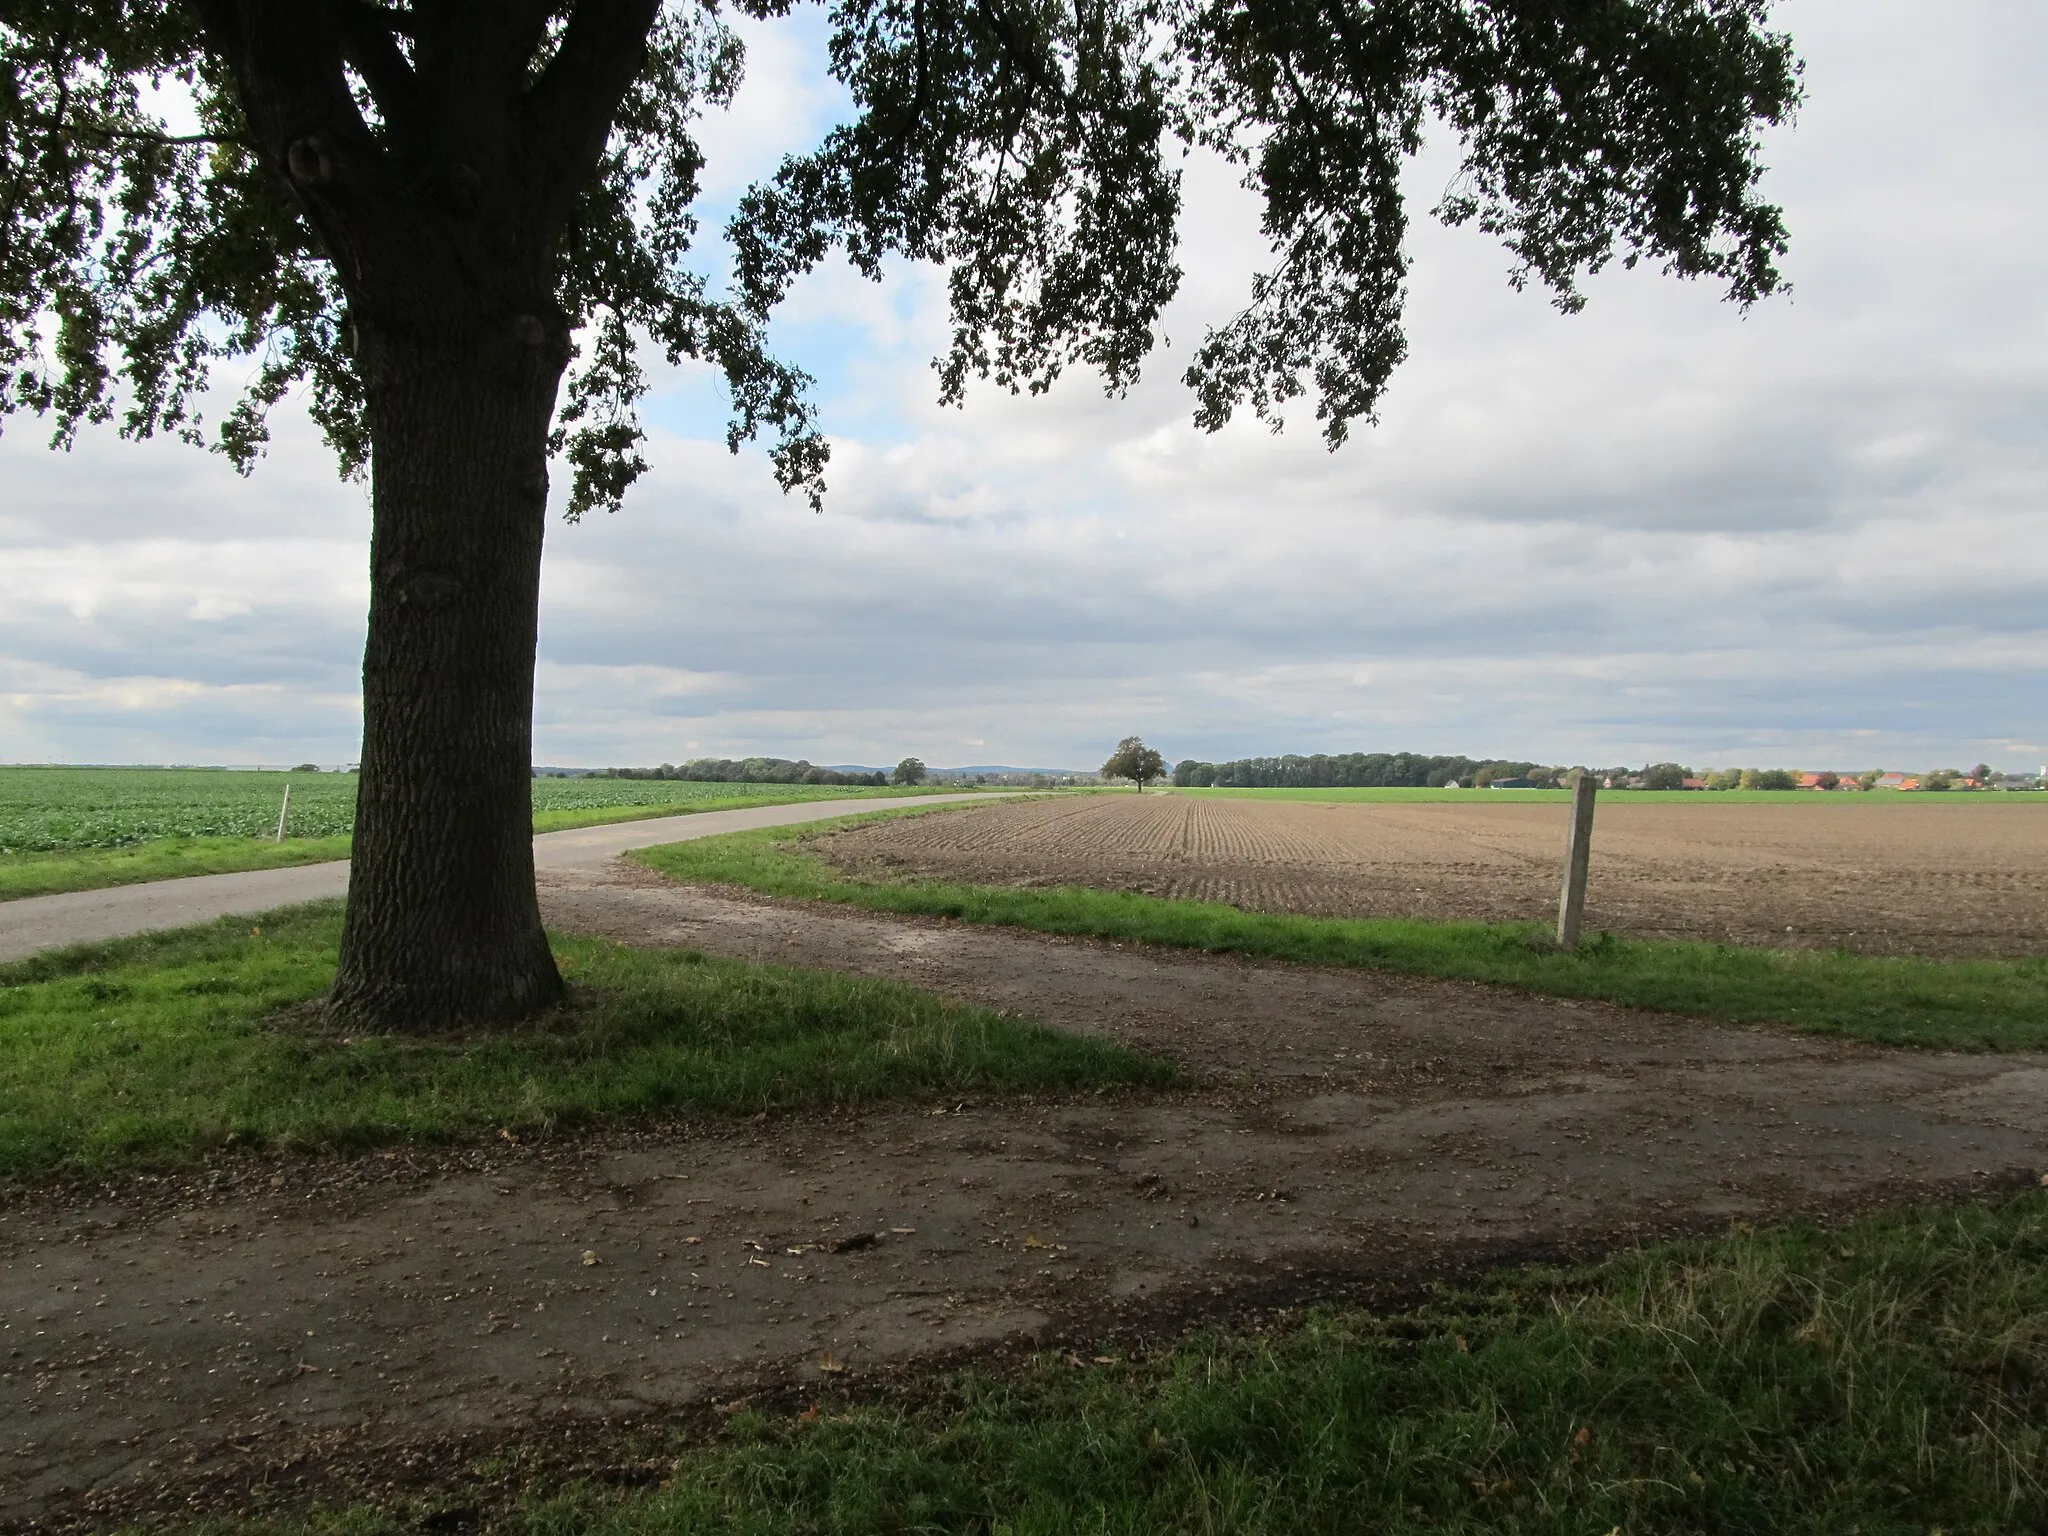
[331,142]
[461,225]
[1135,761]
[1342,770]
[1031,146]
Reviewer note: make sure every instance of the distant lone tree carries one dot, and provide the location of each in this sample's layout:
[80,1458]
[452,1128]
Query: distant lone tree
[463,234]
[1135,761]
[909,771]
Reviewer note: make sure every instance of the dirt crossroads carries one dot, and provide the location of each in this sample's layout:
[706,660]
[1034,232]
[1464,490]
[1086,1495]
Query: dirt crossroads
[326,1324]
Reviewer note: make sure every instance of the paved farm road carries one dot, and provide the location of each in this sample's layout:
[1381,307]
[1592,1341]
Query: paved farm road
[86,917]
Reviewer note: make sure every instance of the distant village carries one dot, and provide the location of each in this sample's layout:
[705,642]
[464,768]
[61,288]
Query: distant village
[1395,770]
[1391,770]
[1826,781]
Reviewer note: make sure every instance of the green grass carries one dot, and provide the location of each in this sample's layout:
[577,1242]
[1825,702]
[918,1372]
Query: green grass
[79,829]
[69,810]
[1952,1004]
[148,1051]
[170,858]
[1703,798]
[1889,1378]
[723,797]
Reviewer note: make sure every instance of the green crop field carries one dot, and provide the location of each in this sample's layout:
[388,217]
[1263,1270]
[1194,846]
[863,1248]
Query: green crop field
[73,829]
[65,810]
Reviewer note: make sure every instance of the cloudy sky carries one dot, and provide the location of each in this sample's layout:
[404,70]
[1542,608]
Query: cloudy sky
[1810,536]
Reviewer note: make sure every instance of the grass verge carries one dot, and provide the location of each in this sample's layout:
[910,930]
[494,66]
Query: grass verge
[603,815]
[173,858]
[150,1050]
[170,858]
[1950,1004]
[1887,1377]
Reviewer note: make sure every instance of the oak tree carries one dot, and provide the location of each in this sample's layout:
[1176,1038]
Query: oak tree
[1135,761]
[463,226]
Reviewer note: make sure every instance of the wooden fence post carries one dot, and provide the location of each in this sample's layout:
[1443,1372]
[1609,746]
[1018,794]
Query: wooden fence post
[1578,847]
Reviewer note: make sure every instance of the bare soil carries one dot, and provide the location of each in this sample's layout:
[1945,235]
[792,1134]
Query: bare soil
[284,1328]
[1933,876]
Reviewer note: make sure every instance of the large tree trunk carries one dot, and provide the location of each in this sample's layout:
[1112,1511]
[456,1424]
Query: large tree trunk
[443,925]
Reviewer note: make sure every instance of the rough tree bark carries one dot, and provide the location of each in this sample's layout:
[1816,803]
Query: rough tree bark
[442,921]
[445,231]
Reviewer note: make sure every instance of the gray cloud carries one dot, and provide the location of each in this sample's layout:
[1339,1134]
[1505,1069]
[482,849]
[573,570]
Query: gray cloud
[1658,529]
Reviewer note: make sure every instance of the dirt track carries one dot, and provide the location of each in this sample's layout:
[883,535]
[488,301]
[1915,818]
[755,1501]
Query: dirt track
[1966,875]
[341,1325]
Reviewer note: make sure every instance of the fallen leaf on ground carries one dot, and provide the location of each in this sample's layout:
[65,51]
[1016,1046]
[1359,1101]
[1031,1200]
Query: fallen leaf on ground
[590,1256]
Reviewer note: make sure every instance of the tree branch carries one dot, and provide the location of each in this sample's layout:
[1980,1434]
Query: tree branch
[384,16]
[571,108]
[142,136]
[472,59]
[369,41]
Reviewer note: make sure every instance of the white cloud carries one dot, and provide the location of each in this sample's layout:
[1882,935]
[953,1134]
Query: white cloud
[1659,529]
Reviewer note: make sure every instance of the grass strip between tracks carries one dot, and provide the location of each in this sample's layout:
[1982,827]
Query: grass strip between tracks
[1949,1004]
[151,1050]
[175,858]
[1890,1376]
[170,858]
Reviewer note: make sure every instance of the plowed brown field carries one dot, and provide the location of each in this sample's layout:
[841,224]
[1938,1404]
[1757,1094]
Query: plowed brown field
[1927,877]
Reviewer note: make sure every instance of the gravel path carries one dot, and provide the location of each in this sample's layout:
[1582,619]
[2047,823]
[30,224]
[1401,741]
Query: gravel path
[85,917]
[334,1326]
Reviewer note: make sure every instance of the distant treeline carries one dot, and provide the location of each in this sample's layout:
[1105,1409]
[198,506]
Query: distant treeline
[1353,770]
[752,770]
